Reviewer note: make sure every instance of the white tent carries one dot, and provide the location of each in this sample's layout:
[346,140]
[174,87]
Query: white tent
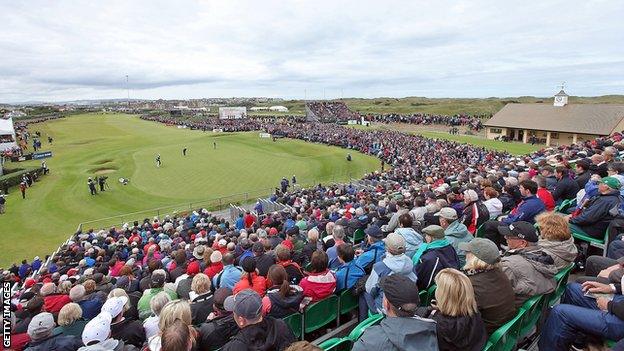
[279,108]
[7,134]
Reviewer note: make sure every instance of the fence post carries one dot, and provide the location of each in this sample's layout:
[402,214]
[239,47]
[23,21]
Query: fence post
[219,208]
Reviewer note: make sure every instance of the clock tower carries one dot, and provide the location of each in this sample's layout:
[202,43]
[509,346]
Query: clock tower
[561,99]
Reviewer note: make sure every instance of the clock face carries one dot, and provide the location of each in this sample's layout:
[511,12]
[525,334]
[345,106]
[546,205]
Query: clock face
[558,99]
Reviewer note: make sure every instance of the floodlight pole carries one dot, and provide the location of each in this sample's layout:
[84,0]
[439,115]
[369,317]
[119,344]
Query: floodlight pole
[128,89]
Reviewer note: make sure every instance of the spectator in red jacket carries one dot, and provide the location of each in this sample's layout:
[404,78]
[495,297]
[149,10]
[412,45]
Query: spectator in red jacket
[215,266]
[250,279]
[321,282]
[543,193]
[53,301]
[249,220]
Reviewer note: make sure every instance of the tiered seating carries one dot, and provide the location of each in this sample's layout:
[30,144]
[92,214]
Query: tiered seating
[506,338]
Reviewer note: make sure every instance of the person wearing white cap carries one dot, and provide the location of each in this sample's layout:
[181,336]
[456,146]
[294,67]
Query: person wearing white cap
[43,337]
[97,336]
[129,331]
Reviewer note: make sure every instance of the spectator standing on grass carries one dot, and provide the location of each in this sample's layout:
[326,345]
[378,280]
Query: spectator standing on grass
[91,185]
[22,187]
[2,203]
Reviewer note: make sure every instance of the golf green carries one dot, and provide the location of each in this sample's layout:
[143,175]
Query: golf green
[118,145]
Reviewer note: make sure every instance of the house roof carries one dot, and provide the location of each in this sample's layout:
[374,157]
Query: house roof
[561,93]
[597,119]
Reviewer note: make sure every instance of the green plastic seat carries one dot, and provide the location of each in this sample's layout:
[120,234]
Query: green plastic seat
[431,293]
[505,338]
[533,311]
[337,344]
[320,313]
[562,281]
[423,296]
[347,302]
[564,205]
[359,329]
[358,236]
[480,233]
[599,243]
[295,322]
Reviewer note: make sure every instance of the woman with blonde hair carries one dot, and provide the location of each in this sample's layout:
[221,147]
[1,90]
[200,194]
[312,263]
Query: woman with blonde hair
[492,290]
[555,238]
[70,320]
[458,321]
[176,310]
[201,298]
[156,305]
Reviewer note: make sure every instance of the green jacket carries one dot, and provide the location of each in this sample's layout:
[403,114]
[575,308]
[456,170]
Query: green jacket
[144,302]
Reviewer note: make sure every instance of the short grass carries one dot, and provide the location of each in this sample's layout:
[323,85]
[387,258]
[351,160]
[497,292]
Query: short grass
[125,146]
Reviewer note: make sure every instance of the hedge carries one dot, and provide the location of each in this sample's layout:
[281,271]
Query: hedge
[14,178]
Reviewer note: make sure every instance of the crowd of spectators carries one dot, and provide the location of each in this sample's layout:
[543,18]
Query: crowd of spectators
[332,111]
[200,282]
[473,122]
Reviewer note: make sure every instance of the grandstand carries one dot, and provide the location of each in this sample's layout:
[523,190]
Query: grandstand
[439,202]
[329,112]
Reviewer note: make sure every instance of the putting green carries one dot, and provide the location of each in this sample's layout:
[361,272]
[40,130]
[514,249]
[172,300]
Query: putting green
[119,145]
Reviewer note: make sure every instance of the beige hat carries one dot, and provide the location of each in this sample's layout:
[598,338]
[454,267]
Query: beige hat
[448,213]
[395,243]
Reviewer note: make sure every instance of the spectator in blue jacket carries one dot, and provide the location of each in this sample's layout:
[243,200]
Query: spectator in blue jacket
[598,212]
[229,276]
[90,307]
[374,249]
[394,262]
[24,269]
[412,238]
[527,209]
[566,188]
[348,272]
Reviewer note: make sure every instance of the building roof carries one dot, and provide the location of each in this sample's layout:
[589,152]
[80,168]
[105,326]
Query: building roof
[597,119]
[561,93]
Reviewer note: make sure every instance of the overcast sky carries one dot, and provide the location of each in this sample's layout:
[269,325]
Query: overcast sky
[66,50]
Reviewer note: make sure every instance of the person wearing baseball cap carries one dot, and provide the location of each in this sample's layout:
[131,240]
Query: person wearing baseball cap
[394,262]
[97,336]
[400,330]
[455,231]
[256,331]
[121,328]
[529,268]
[220,325]
[43,337]
[493,291]
[373,250]
[598,212]
[435,254]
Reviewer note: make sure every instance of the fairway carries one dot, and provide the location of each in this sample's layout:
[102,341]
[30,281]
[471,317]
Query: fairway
[125,146]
